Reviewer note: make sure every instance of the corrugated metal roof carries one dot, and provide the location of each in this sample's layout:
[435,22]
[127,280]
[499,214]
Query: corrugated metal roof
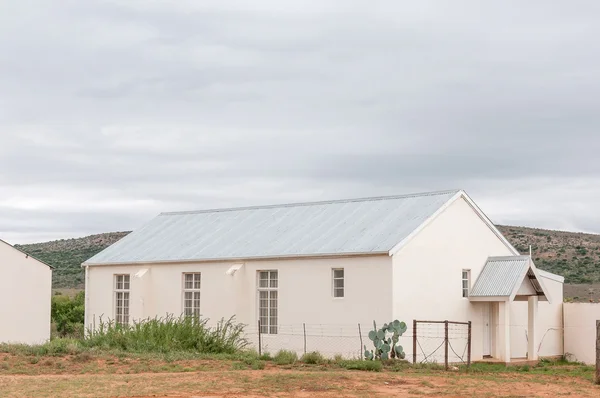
[500,276]
[358,226]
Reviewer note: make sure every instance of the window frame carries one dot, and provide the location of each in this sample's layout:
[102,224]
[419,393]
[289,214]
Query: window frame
[195,312]
[466,291]
[272,294]
[125,291]
[334,279]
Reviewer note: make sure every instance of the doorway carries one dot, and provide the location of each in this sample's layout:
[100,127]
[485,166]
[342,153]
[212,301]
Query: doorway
[487,330]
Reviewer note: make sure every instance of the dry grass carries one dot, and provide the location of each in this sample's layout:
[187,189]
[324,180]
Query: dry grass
[106,375]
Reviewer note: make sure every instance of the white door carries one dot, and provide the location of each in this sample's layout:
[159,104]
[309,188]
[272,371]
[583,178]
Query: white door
[487,329]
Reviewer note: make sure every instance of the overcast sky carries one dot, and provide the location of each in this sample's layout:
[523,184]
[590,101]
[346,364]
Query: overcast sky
[113,111]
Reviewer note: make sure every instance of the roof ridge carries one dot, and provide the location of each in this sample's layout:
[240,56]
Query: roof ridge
[298,204]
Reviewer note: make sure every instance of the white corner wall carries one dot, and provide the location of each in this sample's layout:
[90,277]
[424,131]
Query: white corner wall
[580,331]
[549,332]
[25,297]
[428,271]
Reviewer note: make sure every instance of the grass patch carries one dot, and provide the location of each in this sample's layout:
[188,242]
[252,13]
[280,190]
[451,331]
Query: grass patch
[370,366]
[170,334]
[284,357]
[312,358]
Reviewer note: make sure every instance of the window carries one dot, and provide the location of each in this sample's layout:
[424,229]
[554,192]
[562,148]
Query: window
[122,299]
[191,294]
[267,301]
[338,282]
[466,282]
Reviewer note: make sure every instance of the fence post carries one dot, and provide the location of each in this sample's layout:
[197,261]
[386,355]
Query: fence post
[361,342]
[259,340]
[414,341]
[446,345]
[598,352]
[469,347]
[304,327]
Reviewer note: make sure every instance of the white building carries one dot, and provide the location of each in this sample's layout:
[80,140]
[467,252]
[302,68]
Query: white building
[432,256]
[25,297]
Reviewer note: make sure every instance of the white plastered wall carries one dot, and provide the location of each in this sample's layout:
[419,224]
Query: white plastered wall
[428,272]
[549,331]
[305,296]
[25,296]
[580,331]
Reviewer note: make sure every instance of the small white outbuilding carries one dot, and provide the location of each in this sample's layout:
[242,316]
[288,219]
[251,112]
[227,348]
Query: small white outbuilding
[431,256]
[25,297]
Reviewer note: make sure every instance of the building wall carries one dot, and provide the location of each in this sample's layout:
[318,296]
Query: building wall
[580,331]
[305,295]
[549,331]
[428,274]
[25,295]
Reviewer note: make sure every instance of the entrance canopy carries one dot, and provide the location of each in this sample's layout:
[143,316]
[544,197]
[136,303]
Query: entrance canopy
[509,279]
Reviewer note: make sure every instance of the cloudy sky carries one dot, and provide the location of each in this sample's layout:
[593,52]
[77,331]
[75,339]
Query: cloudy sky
[113,111]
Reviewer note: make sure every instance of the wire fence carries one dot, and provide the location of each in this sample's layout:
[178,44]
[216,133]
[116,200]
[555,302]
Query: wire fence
[442,341]
[430,342]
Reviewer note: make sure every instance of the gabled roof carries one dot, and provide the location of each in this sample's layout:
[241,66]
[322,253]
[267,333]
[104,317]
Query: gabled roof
[27,255]
[501,278]
[342,227]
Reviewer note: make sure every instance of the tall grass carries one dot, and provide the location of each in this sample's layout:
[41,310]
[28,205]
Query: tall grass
[170,334]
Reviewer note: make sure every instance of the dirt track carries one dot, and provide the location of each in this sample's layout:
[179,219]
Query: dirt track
[294,383]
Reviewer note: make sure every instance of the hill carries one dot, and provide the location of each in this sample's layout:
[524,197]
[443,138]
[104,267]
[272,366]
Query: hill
[576,256]
[66,255]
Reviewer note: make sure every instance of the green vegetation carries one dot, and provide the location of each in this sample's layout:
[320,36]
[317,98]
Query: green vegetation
[575,256]
[284,357]
[67,255]
[313,358]
[170,334]
[386,347]
[68,315]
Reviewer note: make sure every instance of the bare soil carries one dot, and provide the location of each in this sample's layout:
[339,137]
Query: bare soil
[22,376]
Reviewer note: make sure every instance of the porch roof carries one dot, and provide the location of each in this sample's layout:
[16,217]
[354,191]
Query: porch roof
[501,278]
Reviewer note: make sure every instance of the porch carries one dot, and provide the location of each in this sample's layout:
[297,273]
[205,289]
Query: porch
[502,281]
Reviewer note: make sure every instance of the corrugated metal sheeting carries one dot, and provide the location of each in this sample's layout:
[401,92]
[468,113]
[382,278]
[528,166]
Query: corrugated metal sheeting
[360,226]
[500,276]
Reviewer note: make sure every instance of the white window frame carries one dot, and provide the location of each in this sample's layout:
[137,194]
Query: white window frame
[466,290]
[122,296]
[336,289]
[194,291]
[269,322]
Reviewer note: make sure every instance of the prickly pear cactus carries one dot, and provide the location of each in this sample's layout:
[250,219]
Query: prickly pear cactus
[385,341]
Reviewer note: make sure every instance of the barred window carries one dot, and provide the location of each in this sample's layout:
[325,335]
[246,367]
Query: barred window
[191,294]
[122,284]
[338,282]
[466,282]
[267,301]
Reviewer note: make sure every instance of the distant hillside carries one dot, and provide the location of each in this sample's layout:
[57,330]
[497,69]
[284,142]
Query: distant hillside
[66,255]
[576,256]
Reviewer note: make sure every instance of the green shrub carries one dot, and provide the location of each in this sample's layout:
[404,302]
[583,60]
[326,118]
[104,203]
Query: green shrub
[258,365]
[266,357]
[372,366]
[312,358]
[68,315]
[170,334]
[284,357]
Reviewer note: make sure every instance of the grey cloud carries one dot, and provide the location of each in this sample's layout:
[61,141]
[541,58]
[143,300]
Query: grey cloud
[106,105]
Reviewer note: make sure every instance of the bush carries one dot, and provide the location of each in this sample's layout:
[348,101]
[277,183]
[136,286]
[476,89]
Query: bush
[312,358]
[170,334]
[68,315]
[372,366]
[284,357]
